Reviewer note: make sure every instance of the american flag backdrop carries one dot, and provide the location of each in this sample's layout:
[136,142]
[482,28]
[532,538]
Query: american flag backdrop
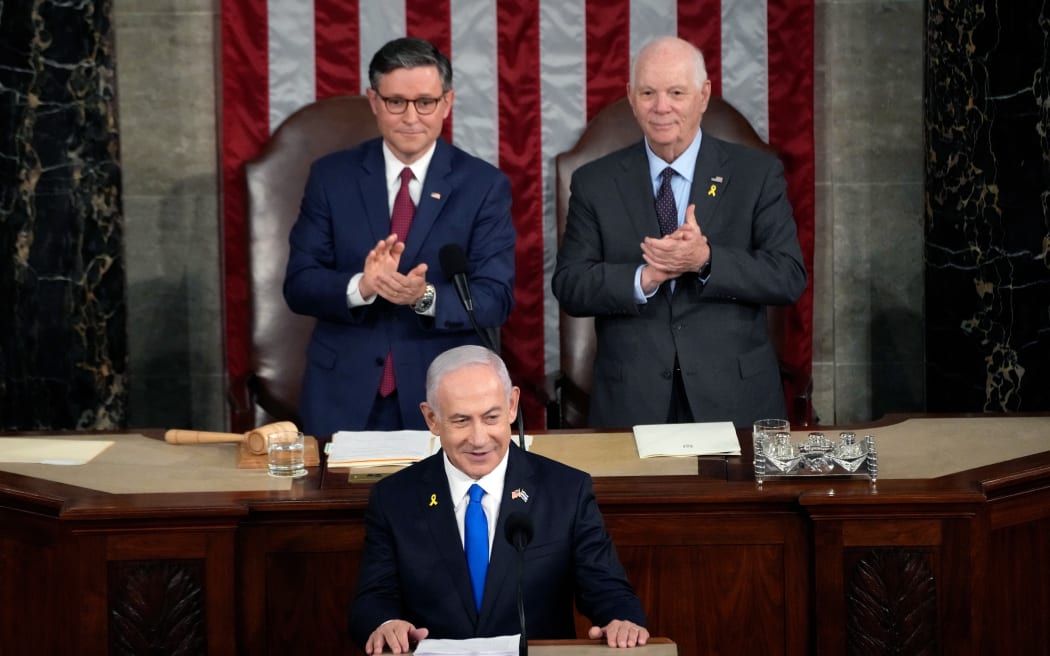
[528,75]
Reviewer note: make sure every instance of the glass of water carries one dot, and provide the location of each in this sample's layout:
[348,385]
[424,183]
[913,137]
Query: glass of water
[762,434]
[285,454]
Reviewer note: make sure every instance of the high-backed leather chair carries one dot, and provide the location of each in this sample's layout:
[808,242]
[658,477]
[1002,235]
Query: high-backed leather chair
[276,179]
[611,129]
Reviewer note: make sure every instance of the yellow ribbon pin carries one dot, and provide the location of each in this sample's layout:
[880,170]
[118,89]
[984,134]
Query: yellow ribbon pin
[711,191]
[433,499]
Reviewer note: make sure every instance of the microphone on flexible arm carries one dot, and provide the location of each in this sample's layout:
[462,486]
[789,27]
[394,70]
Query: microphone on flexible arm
[518,530]
[454,266]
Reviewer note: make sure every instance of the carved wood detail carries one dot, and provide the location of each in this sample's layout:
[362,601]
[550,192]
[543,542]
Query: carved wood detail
[891,604]
[157,607]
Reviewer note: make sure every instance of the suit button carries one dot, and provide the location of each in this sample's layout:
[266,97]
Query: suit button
[666,375]
[380,362]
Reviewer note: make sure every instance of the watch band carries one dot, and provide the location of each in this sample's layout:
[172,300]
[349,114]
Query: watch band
[426,300]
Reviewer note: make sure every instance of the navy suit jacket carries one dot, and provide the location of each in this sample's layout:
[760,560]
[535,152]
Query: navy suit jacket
[717,330]
[344,213]
[414,567]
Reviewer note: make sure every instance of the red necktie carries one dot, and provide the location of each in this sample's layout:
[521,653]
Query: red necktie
[400,222]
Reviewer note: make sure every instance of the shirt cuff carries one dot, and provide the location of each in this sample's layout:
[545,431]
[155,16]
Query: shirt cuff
[640,297]
[353,293]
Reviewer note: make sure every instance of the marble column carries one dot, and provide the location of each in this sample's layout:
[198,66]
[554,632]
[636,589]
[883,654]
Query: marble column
[62,289]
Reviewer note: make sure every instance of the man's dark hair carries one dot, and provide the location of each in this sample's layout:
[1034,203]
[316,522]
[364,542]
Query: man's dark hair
[409,52]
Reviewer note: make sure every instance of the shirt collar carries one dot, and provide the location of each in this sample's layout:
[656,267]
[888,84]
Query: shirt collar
[492,483]
[393,166]
[684,165]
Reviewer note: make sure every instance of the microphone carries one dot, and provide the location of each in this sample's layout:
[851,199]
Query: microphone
[454,266]
[518,531]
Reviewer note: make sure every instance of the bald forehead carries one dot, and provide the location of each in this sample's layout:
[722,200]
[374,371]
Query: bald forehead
[666,52]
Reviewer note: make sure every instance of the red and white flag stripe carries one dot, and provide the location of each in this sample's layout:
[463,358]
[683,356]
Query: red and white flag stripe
[528,76]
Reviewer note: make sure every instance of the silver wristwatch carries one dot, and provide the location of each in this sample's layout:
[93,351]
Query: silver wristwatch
[425,301]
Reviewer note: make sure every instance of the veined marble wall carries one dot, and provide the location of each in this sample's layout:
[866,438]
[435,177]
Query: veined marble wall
[869,322]
[63,340]
[987,117]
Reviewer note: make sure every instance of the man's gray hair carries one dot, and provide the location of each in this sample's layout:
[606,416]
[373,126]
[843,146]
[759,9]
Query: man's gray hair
[457,358]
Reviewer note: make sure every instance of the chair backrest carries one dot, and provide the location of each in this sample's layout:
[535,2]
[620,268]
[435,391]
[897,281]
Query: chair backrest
[611,129]
[276,179]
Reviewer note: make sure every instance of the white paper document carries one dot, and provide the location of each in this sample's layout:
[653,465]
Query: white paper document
[385,448]
[714,438]
[498,646]
[380,448]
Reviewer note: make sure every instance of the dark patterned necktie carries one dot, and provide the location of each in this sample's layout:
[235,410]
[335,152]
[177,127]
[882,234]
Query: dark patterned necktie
[400,222]
[666,211]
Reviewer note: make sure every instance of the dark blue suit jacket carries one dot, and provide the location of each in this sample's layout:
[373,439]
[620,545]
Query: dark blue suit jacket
[414,568]
[344,213]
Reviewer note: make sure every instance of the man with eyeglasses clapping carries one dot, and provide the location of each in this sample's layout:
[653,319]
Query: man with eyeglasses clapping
[365,251]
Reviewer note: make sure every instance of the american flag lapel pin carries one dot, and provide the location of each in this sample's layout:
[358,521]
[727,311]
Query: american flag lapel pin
[520,494]
[435,195]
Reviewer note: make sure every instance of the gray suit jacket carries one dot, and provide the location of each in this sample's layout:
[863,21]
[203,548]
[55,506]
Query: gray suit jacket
[718,330]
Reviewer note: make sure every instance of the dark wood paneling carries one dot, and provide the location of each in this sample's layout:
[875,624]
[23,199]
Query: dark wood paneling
[722,567]
[1017,612]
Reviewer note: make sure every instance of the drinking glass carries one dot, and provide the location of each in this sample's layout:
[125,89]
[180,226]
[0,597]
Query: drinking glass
[762,434]
[285,454]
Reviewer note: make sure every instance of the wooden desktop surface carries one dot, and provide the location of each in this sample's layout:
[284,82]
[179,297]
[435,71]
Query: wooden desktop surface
[655,647]
[722,565]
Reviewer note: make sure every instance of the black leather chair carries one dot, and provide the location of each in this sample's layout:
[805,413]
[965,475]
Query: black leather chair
[276,179]
[613,128]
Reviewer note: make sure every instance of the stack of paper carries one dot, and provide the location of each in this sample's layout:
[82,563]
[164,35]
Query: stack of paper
[497,646]
[716,438]
[380,448]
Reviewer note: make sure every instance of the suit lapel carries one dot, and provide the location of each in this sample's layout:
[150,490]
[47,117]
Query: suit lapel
[441,519]
[501,583]
[636,192]
[434,195]
[710,180]
[372,187]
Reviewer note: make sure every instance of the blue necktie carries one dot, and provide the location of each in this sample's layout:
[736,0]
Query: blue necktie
[476,541]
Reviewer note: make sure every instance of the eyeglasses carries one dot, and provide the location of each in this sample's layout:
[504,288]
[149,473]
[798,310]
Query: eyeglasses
[424,105]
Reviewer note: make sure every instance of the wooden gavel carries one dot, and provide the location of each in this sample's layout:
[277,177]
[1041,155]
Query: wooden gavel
[255,438]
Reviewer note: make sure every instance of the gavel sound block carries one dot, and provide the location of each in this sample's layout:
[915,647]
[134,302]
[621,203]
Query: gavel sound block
[254,439]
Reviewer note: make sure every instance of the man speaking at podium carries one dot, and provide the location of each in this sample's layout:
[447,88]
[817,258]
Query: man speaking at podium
[435,560]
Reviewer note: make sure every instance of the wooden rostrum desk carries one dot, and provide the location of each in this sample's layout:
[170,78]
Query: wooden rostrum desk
[953,562]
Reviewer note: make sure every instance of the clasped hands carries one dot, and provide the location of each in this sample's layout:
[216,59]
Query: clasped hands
[399,635]
[684,250]
[382,277]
